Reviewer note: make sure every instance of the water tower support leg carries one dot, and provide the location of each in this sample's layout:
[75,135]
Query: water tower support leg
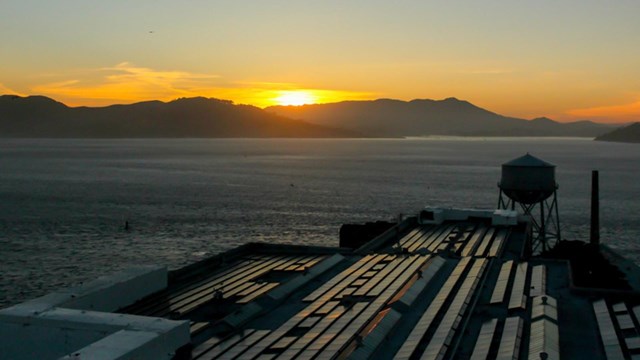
[594,239]
[543,237]
[555,204]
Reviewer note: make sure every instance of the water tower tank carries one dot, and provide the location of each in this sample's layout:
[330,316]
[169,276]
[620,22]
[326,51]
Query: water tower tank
[528,180]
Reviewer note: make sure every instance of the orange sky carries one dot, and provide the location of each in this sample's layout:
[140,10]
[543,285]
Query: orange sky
[569,60]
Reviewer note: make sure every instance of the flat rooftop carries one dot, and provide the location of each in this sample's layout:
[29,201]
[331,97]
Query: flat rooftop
[460,288]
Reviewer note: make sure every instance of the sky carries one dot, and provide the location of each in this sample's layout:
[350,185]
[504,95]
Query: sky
[564,59]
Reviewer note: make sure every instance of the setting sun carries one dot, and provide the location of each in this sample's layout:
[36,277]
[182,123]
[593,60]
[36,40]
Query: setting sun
[295,98]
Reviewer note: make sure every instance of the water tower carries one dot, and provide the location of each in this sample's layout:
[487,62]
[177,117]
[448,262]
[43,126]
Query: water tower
[531,183]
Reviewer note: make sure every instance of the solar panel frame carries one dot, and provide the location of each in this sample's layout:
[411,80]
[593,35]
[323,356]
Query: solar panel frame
[406,268]
[511,338]
[468,232]
[433,245]
[431,236]
[288,263]
[259,292]
[422,234]
[236,350]
[619,307]
[238,280]
[484,340]
[633,343]
[412,236]
[435,264]
[608,335]
[424,323]
[538,280]
[311,263]
[163,308]
[499,241]
[380,276]
[518,297]
[348,334]
[448,325]
[342,280]
[470,247]
[214,347]
[500,290]
[486,241]
[315,332]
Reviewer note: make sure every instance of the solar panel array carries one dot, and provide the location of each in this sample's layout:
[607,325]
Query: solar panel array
[500,289]
[542,327]
[483,343]
[239,282]
[607,331]
[518,298]
[452,301]
[456,290]
[465,239]
[511,339]
[350,313]
[337,312]
[619,330]
[538,280]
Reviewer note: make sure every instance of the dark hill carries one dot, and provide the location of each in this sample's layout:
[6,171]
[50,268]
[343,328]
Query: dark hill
[630,134]
[450,116]
[38,116]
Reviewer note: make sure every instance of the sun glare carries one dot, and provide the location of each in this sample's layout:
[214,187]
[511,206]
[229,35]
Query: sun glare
[295,98]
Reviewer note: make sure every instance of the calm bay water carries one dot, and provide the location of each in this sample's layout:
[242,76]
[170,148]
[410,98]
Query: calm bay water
[63,203]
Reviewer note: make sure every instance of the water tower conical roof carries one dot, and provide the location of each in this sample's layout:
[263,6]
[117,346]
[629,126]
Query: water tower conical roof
[528,160]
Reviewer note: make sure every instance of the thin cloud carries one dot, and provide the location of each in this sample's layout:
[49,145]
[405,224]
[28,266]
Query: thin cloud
[127,72]
[126,83]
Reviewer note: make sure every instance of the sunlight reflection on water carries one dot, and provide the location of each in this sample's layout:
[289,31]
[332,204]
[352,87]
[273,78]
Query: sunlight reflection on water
[63,203]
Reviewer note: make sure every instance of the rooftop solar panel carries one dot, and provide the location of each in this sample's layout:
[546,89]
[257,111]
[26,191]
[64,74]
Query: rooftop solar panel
[511,337]
[483,343]
[485,242]
[538,280]
[418,331]
[500,289]
[607,331]
[518,298]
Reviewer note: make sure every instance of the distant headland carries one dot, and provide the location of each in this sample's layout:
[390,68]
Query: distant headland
[423,117]
[630,134]
[42,117]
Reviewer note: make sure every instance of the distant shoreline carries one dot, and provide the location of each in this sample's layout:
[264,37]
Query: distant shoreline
[42,117]
[411,138]
[506,138]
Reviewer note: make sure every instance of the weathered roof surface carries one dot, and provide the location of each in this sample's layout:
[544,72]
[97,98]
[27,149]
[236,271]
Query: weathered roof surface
[528,160]
[460,289]
[461,286]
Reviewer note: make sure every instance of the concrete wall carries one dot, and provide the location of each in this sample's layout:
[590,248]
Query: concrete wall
[66,322]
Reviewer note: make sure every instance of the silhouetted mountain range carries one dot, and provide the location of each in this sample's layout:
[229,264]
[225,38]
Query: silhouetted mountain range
[629,134]
[39,116]
[385,117]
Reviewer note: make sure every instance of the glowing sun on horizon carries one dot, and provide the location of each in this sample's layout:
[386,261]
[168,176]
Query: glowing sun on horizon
[295,98]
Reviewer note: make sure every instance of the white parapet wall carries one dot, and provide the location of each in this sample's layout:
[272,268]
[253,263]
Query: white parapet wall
[498,217]
[77,322]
